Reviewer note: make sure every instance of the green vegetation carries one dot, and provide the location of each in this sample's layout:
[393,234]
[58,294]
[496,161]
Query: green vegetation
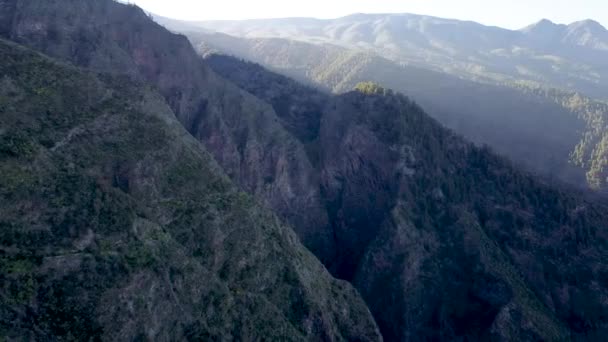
[591,151]
[372,88]
[117,224]
[477,216]
[455,220]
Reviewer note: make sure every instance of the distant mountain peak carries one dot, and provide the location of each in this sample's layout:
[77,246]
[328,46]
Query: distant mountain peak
[545,21]
[588,33]
[543,26]
[371,16]
[588,24]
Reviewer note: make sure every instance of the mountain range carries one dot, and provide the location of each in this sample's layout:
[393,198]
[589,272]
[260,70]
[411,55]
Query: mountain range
[153,194]
[557,134]
[563,56]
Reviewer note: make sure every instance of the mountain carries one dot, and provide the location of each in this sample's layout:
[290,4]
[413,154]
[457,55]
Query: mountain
[242,132]
[545,28]
[444,240]
[557,134]
[587,34]
[118,225]
[415,208]
[571,57]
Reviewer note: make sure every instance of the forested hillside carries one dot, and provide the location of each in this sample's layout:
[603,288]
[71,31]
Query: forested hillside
[121,226]
[591,152]
[413,207]
[117,225]
[554,133]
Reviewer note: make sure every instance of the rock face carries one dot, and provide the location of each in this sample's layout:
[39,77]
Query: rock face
[118,225]
[444,240]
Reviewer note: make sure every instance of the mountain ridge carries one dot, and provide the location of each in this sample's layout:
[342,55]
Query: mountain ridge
[238,129]
[359,15]
[557,132]
[571,58]
[118,225]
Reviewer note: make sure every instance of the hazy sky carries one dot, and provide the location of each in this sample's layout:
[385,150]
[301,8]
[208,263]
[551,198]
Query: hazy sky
[504,13]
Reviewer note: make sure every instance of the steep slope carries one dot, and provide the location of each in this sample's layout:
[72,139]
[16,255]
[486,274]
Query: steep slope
[444,240]
[414,209]
[243,134]
[117,225]
[526,126]
[591,152]
[481,251]
[563,56]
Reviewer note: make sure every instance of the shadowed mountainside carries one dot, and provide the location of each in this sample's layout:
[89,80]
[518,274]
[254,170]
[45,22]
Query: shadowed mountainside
[555,133]
[414,208]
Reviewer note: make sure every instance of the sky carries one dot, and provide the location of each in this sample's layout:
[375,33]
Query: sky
[512,14]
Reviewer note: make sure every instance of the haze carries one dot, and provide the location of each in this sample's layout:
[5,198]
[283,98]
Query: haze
[512,14]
